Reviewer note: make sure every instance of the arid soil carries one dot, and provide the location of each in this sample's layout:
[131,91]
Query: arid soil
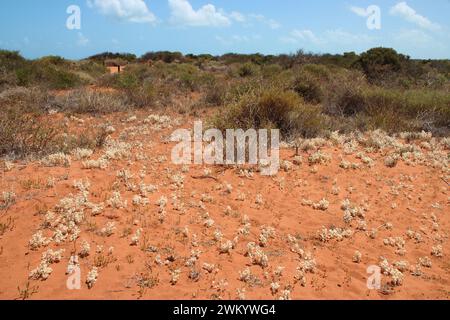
[144,228]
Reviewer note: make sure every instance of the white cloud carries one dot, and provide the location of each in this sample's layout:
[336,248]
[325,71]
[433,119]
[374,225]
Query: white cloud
[336,36]
[273,24]
[302,36]
[343,37]
[128,10]
[239,17]
[182,13]
[237,39]
[402,9]
[415,38]
[362,12]
[82,40]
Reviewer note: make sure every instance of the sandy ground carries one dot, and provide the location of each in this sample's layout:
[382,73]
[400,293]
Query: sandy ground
[400,221]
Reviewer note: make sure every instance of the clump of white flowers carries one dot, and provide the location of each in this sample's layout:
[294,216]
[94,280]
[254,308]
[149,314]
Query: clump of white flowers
[357,257]
[208,267]
[259,199]
[246,275]
[334,233]
[8,198]
[321,205]
[42,272]
[175,276]
[240,293]
[226,247]
[51,256]
[116,201]
[257,256]
[425,262]
[135,238]
[266,234]
[108,230]
[437,251]
[81,185]
[101,163]
[274,287]
[319,158]
[241,196]
[81,153]
[91,278]
[396,275]
[351,211]
[38,240]
[140,201]
[85,249]
[286,165]
[285,295]
[57,159]
[391,160]
[144,189]
[348,165]
[398,243]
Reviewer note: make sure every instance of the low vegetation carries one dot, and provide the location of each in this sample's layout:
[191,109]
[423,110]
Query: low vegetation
[304,95]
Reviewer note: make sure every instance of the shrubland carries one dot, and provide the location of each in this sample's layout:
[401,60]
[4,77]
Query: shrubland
[302,94]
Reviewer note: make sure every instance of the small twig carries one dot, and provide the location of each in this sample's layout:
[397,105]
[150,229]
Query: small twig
[204,177]
[445,181]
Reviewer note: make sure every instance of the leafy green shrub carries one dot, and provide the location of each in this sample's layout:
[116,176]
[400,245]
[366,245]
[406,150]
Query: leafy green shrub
[309,89]
[165,56]
[272,107]
[379,63]
[142,96]
[310,82]
[247,70]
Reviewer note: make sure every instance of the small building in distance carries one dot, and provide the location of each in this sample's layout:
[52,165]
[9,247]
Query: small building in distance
[115,66]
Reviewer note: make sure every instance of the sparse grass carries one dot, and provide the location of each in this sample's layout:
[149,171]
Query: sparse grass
[6,226]
[26,292]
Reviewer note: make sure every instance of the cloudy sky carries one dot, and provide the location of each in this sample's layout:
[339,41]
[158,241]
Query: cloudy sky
[419,28]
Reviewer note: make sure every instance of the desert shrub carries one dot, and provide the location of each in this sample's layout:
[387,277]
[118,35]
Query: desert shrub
[271,107]
[247,70]
[23,132]
[271,70]
[398,110]
[379,63]
[309,88]
[165,56]
[49,72]
[126,80]
[92,68]
[10,61]
[309,82]
[142,96]
[29,99]
[215,93]
[92,101]
[101,57]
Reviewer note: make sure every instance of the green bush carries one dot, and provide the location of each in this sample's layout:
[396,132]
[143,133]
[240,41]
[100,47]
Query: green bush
[379,63]
[247,70]
[272,107]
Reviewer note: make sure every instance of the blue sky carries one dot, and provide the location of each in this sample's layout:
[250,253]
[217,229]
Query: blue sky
[36,28]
